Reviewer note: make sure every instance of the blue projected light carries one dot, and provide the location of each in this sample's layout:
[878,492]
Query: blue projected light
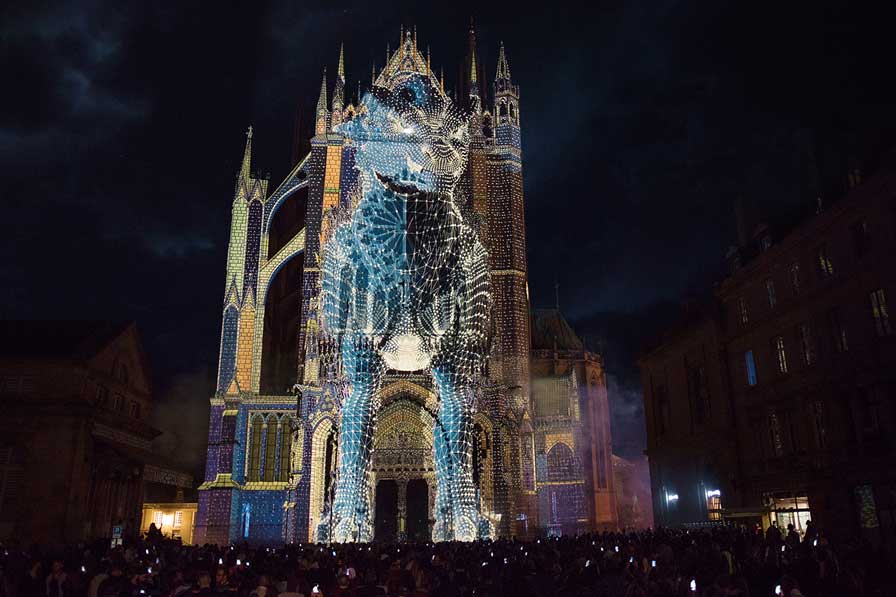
[405,287]
[751,368]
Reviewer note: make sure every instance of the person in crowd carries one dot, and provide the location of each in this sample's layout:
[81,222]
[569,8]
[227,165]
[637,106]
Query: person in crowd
[58,583]
[32,583]
[720,560]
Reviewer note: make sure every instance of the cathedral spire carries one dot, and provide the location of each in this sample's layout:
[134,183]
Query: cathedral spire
[246,167]
[339,87]
[472,79]
[428,67]
[322,99]
[320,123]
[503,68]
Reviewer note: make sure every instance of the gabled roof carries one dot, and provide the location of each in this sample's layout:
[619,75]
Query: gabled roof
[76,340]
[551,330]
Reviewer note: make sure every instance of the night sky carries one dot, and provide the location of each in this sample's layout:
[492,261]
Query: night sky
[122,127]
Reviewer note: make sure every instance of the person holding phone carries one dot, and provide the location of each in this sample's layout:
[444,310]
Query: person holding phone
[789,587]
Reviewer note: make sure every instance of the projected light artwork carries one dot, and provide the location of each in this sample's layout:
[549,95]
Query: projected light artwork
[405,286]
[382,374]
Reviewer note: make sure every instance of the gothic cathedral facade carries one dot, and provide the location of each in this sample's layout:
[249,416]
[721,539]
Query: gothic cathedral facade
[541,439]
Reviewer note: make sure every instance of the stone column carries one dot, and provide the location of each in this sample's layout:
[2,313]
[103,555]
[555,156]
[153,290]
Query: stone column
[402,507]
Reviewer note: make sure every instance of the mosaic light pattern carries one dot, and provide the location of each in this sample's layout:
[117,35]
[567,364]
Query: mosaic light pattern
[405,287]
[398,302]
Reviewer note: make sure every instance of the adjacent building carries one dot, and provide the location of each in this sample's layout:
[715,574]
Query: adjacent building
[75,436]
[570,416]
[773,400]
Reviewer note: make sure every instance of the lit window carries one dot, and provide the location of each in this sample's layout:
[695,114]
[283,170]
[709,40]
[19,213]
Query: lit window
[880,313]
[285,448]
[742,310]
[825,266]
[778,343]
[770,291]
[838,331]
[256,427]
[714,504]
[806,345]
[795,278]
[157,517]
[178,519]
[751,368]
[270,451]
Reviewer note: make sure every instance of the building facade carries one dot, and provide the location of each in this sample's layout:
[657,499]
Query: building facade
[799,361]
[273,447]
[570,416]
[75,439]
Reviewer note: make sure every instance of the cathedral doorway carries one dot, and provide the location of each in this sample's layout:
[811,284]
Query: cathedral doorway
[386,511]
[418,510]
[403,471]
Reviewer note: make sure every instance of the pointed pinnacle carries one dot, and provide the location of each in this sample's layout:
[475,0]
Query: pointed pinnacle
[322,100]
[247,156]
[341,70]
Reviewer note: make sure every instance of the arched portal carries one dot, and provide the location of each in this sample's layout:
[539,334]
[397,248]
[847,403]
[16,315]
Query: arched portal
[402,454]
[323,467]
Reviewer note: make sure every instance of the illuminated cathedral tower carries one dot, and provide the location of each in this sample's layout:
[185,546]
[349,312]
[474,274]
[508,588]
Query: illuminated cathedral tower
[271,469]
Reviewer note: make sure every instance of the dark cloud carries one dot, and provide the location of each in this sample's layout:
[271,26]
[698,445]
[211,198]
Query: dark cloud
[121,130]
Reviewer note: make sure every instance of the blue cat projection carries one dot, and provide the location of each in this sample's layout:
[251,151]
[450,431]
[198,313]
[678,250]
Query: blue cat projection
[405,287]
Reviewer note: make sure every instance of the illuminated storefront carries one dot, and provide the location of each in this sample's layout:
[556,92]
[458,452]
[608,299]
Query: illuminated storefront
[175,520]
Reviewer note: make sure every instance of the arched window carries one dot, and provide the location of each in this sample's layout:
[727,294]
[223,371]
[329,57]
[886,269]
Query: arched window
[270,451]
[502,109]
[561,463]
[256,427]
[512,111]
[285,448]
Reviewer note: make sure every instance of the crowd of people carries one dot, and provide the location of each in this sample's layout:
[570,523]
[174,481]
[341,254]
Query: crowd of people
[717,561]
